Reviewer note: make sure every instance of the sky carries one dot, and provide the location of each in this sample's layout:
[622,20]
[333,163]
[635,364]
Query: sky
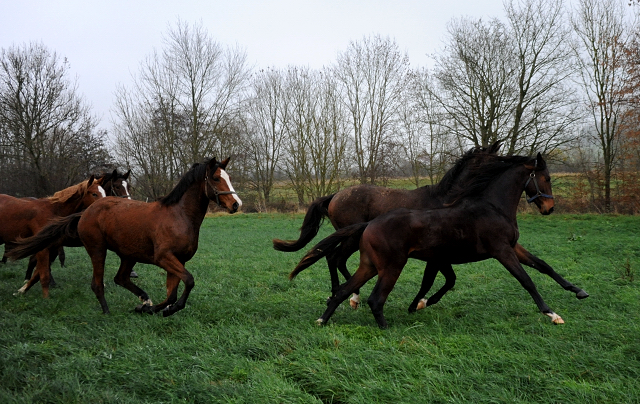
[106,41]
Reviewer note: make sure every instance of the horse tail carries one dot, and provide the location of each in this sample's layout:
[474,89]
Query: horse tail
[313,219]
[57,232]
[327,245]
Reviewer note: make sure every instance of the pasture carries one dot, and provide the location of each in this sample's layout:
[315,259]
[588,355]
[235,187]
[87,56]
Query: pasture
[248,334]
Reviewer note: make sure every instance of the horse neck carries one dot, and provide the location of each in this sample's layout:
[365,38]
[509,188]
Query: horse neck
[505,192]
[429,196]
[68,207]
[194,203]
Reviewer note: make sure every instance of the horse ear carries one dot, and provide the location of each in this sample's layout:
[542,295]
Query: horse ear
[493,149]
[126,175]
[540,163]
[223,163]
[114,174]
[90,180]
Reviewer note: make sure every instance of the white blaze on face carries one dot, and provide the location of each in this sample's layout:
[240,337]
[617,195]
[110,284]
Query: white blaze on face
[225,176]
[124,185]
[101,190]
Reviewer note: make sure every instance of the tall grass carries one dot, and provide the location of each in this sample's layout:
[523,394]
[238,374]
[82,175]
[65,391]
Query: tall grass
[248,334]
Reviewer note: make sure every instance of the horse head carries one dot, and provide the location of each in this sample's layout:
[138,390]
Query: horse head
[116,184]
[217,186]
[93,192]
[538,185]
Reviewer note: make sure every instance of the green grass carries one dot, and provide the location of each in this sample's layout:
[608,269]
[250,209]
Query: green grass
[248,334]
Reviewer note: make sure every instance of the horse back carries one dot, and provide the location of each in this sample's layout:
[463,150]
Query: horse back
[22,217]
[363,203]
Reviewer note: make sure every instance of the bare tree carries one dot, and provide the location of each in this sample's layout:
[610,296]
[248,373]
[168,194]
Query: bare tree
[265,122]
[545,110]
[48,135]
[601,29]
[316,133]
[476,75]
[372,74]
[182,107]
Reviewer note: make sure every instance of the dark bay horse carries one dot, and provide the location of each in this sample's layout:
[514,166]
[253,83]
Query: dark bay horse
[363,203]
[480,223]
[114,184]
[164,233]
[24,217]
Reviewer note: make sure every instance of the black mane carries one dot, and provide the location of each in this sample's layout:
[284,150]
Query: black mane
[195,174]
[483,171]
[451,177]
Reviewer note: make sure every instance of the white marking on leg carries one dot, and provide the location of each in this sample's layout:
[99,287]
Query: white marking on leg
[101,190]
[555,319]
[147,302]
[225,177]
[354,302]
[21,290]
[124,184]
[421,304]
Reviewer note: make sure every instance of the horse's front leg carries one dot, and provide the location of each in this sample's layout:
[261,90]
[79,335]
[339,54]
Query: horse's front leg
[510,261]
[530,260]
[173,266]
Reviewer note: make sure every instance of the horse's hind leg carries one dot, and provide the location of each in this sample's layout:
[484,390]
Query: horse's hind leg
[365,272]
[42,274]
[344,251]
[98,256]
[530,260]
[173,266]
[430,272]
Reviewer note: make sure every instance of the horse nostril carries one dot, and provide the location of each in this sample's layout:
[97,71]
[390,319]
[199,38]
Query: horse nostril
[551,210]
[235,206]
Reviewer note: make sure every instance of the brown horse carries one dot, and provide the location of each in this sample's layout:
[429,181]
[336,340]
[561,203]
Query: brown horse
[479,224]
[164,233]
[24,217]
[363,203]
[114,184]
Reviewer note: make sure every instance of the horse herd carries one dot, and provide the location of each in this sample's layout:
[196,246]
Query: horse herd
[470,215]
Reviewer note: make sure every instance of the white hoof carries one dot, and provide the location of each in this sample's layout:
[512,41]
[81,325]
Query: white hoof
[555,319]
[421,304]
[319,321]
[354,302]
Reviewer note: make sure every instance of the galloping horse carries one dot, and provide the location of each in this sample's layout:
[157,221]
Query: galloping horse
[164,233]
[363,203]
[480,223]
[24,217]
[114,184]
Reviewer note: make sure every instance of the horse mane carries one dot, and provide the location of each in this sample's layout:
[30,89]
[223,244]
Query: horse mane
[450,178]
[66,194]
[195,174]
[482,172]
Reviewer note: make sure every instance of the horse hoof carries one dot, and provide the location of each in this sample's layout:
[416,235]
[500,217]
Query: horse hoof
[144,308]
[354,302]
[582,295]
[555,319]
[421,304]
[320,322]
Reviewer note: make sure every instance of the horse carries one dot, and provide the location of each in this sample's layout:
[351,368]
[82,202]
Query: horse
[478,223]
[113,184]
[363,203]
[164,233]
[24,217]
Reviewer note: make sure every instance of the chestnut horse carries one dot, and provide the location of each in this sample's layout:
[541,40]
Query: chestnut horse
[363,203]
[479,224]
[114,184]
[24,217]
[164,233]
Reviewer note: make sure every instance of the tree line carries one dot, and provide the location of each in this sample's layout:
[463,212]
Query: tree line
[545,78]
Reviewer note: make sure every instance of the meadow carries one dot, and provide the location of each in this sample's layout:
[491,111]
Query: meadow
[248,334]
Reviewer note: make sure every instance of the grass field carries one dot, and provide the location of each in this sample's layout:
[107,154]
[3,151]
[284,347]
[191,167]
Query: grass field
[248,334]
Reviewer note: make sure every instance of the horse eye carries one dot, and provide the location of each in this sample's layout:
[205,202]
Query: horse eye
[216,179]
[96,195]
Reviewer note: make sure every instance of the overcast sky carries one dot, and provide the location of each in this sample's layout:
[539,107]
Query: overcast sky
[105,41]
